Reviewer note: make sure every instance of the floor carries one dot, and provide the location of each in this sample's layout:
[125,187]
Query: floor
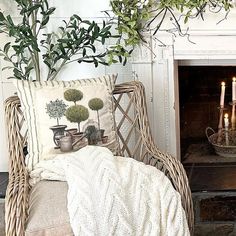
[3,186]
[2,232]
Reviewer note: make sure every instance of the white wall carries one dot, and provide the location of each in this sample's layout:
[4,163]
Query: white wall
[64,9]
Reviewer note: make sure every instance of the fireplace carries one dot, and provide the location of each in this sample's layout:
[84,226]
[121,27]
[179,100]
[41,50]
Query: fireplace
[164,73]
[199,98]
[182,81]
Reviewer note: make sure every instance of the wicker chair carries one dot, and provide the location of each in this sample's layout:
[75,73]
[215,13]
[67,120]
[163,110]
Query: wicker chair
[132,124]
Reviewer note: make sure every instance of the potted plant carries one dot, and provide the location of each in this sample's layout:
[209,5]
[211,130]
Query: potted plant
[77,114]
[76,40]
[97,104]
[92,135]
[56,110]
[73,95]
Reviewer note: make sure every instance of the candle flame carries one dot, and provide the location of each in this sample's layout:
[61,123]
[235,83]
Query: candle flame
[226,115]
[223,83]
[234,79]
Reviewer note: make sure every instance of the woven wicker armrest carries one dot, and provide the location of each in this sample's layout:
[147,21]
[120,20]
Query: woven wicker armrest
[18,187]
[145,149]
[174,170]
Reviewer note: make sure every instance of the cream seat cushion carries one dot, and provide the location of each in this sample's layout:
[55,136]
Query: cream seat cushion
[48,215]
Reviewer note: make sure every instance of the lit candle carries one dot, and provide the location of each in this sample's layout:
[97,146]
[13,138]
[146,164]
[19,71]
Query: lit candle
[222,95]
[234,89]
[226,120]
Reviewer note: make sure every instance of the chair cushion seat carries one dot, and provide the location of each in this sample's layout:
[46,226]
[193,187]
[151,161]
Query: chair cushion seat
[48,215]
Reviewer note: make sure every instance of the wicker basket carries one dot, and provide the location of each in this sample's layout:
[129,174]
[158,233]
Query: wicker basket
[221,146]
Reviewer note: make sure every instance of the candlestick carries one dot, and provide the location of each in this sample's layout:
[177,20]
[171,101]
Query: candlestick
[222,95]
[234,89]
[226,121]
[220,125]
[233,121]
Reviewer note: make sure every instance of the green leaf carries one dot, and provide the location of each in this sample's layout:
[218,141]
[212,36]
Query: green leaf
[2,17]
[96,63]
[73,33]
[7,67]
[77,17]
[7,47]
[6,59]
[9,19]
[93,48]
[88,61]
[104,63]
[86,22]
[103,40]
[47,63]
[96,31]
[45,20]
[28,69]
[11,77]
[84,52]
[132,23]
[34,7]
[50,10]
[63,40]
[125,61]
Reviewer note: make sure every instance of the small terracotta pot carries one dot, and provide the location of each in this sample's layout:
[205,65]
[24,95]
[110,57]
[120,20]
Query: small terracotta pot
[100,134]
[104,139]
[71,131]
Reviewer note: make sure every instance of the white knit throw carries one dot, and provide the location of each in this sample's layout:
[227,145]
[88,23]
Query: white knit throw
[110,195]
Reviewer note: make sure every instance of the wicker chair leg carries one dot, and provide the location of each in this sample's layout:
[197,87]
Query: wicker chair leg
[16,205]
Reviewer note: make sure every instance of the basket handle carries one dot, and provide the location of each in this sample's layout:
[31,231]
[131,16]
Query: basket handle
[209,129]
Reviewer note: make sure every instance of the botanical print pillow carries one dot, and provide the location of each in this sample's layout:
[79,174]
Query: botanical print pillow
[63,116]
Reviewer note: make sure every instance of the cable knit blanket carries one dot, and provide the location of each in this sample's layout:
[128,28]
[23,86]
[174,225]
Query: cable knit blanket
[115,196]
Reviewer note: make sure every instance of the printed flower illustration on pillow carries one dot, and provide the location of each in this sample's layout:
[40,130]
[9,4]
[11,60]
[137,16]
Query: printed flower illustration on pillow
[76,137]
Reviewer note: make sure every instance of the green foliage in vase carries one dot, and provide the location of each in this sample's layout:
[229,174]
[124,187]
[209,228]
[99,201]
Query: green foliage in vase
[73,95]
[96,104]
[77,114]
[78,40]
[56,109]
[139,16]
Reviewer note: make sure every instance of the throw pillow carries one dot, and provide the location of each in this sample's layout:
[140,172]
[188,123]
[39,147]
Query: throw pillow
[63,116]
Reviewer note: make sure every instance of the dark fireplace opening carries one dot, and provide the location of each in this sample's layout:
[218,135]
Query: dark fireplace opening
[199,99]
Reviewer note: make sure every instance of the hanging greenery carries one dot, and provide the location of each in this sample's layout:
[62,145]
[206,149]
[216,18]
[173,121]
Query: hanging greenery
[134,17]
[76,40]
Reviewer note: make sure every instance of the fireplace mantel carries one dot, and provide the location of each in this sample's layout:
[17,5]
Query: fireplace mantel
[158,70]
